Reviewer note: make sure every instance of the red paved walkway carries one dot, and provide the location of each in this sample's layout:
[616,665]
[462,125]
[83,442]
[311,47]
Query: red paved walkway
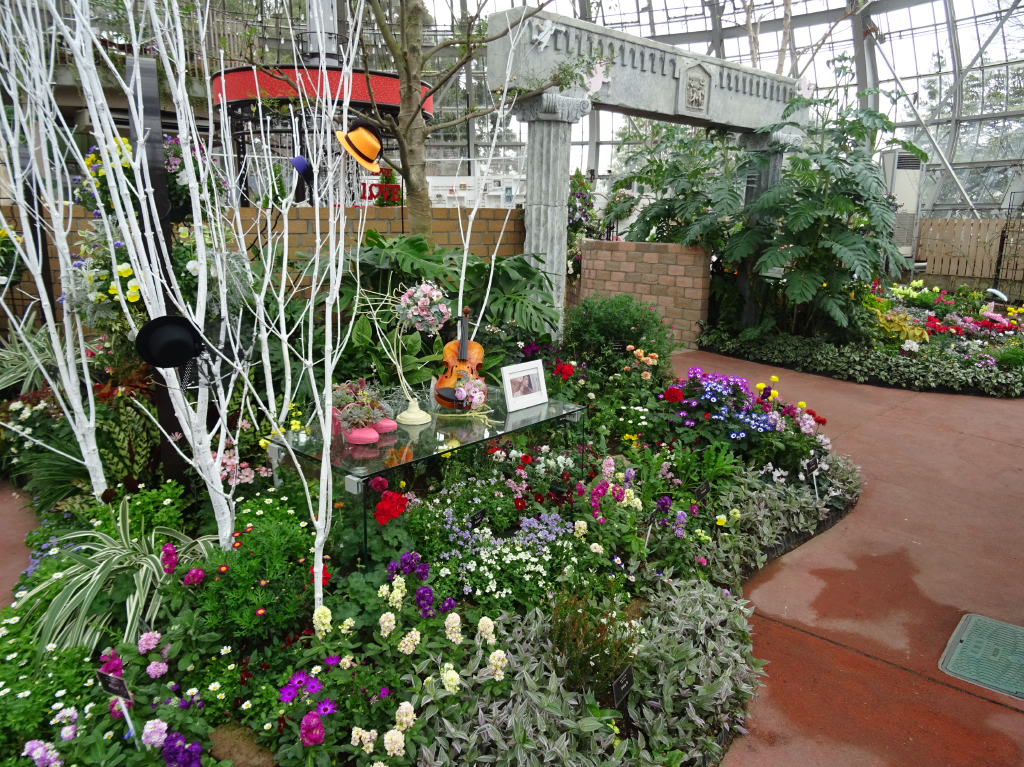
[854,621]
[15,523]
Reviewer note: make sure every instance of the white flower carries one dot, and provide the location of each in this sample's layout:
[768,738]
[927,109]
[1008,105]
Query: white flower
[220,696]
[590,395]
[193,267]
[409,642]
[192,691]
[486,629]
[315,670]
[267,726]
[347,625]
[406,716]
[214,686]
[387,624]
[225,650]
[60,693]
[453,628]
[167,501]
[57,576]
[394,743]
[21,594]
[322,621]
[597,548]
[247,705]
[51,647]
[910,346]
[53,552]
[108,735]
[231,667]
[450,678]
[12,656]
[580,529]
[24,694]
[497,663]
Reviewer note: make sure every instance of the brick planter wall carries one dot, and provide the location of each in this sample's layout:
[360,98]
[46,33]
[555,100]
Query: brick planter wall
[674,278]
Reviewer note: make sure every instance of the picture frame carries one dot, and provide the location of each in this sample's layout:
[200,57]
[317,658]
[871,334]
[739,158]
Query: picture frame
[524,385]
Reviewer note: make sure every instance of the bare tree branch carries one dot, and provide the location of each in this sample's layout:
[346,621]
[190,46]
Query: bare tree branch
[481,112]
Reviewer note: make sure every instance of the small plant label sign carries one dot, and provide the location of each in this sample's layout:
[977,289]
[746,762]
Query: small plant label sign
[618,347]
[477,519]
[702,491]
[621,686]
[113,685]
[812,465]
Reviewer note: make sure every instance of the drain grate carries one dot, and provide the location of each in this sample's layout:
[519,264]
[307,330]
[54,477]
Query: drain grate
[987,653]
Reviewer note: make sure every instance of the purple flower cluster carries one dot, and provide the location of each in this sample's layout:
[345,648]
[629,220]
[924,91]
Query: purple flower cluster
[409,562]
[300,683]
[311,731]
[448,605]
[425,601]
[178,752]
[194,577]
[169,558]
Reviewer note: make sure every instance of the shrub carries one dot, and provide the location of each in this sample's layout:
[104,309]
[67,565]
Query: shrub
[591,326]
[595,647]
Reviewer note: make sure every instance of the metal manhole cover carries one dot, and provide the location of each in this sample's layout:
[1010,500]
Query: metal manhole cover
[988,653]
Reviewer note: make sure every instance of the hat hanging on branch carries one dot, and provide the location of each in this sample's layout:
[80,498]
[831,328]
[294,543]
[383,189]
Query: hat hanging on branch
[363,142]
[170,341]
[304,169]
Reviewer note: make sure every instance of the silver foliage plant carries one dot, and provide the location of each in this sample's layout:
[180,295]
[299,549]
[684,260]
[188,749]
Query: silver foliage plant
[772,507]
[694,673]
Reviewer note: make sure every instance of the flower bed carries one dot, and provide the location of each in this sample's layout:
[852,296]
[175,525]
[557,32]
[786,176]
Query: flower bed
[509,586]
[924,340]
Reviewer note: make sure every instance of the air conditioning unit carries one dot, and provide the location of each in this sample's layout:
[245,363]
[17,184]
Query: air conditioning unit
[903,175]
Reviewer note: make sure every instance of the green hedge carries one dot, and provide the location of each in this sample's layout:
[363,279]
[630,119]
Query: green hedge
[865,364]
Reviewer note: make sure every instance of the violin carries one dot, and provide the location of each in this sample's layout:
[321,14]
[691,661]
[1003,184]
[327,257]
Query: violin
[462,360]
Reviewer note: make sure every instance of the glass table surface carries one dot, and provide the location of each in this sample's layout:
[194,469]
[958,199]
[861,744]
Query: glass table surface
[444,432]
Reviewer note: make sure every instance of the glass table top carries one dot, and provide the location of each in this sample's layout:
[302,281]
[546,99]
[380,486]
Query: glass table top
[444,432]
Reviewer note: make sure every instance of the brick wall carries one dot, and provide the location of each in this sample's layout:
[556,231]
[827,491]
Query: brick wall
[674,278]
[487,231]
[487,226]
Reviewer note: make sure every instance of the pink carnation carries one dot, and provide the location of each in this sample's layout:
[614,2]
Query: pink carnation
[156,669]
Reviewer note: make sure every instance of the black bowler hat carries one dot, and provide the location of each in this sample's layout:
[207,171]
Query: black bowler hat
[304,168]
[168,342]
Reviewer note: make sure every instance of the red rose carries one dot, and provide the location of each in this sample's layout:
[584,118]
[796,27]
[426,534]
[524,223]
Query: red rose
[525,460]
[673,394]
[519,503]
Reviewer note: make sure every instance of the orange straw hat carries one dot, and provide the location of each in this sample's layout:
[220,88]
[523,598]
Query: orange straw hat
[362,142]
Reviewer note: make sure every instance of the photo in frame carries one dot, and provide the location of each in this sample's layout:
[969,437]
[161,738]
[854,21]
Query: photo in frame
[524,385]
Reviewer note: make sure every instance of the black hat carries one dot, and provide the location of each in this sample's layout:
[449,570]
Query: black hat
[168,342]
[304,168]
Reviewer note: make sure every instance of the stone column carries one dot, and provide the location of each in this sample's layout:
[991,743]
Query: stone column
[546,216]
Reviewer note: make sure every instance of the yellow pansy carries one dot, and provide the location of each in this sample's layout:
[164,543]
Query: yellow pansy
[124,270]
[112,290]
[264,444]
[720,520]
[133,285]
[132,296]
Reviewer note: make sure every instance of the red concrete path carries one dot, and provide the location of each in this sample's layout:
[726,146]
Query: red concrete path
[854,621]
[15,522]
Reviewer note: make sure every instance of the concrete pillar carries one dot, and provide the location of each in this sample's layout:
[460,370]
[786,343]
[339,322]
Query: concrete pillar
[550,118]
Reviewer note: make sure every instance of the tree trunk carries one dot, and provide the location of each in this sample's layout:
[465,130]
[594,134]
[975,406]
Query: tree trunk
[415,135]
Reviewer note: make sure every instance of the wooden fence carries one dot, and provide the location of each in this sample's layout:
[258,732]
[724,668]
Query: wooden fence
[969,247]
